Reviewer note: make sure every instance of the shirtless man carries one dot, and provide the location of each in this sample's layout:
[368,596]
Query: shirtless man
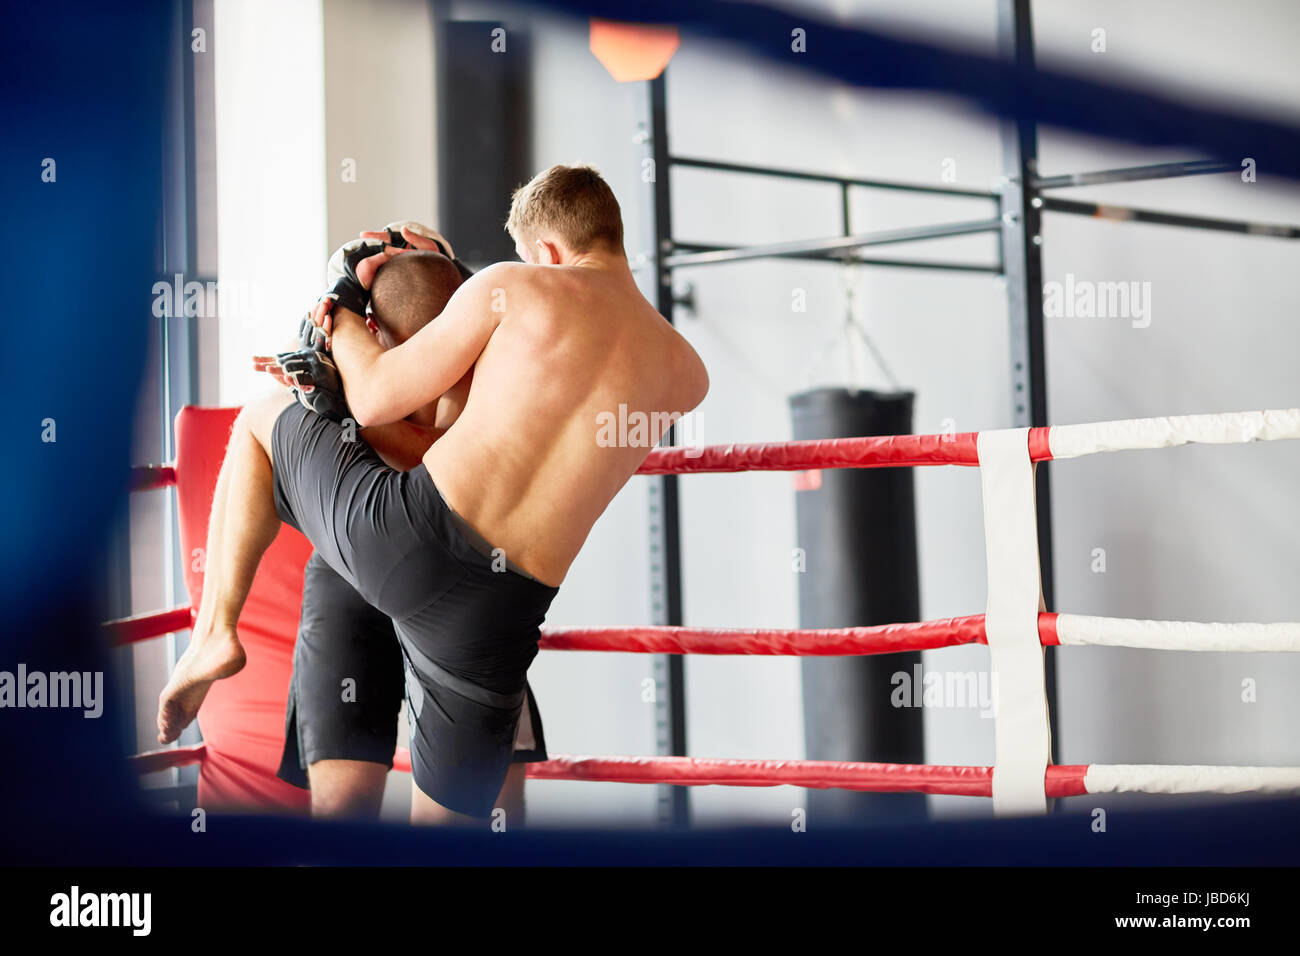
[340,749]
[555,343]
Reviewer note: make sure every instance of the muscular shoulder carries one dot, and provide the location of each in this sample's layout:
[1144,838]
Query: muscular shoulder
[499,275]
[511,288]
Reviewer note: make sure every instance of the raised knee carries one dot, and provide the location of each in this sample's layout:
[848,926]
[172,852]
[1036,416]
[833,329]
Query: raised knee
[258,417]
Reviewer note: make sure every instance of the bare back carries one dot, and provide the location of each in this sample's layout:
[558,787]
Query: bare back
[530,463]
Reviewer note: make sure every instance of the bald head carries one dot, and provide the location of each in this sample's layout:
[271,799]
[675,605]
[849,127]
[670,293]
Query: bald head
[410,291]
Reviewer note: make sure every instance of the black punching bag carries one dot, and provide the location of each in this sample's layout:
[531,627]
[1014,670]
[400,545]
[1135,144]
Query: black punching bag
[484,149]
[857,530]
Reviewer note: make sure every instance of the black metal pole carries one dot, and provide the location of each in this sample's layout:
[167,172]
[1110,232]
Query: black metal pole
[798,174]
[180,334]
[838,257]
[1155,217]
[1133,174]
[1023,264]
[840,244]
[665,518]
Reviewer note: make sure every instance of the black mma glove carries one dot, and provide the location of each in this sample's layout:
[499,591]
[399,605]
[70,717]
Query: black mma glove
[348,290]
[309,336]
[318,385]
[395,238]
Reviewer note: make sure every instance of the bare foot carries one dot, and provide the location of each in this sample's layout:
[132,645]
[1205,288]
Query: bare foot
[210,657]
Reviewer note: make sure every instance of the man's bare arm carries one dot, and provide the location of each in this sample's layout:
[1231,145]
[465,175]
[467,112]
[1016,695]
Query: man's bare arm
[384,386]
[401,444]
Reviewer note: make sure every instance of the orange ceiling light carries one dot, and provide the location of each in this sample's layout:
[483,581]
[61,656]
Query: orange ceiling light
[633,51]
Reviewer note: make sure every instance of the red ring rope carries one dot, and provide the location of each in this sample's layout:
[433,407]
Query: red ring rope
[1066,780]
[794,642]
[890,451]
[878,639]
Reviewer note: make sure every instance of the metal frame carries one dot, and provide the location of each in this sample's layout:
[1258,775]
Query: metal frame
[178,336]
[1020,205]
[1022,241]
[841,247]
[669,670]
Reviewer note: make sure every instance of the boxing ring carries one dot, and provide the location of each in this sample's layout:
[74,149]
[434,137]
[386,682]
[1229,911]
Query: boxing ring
[1014,625]
[68,800]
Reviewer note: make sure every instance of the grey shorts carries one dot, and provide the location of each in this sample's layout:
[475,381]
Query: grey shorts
[349,680]
[467,627]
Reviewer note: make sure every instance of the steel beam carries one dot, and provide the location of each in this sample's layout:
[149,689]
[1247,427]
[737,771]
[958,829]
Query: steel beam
[1155,217]
[801,175]
[1023,265]
[1133,174]
[669,670]
[842,244]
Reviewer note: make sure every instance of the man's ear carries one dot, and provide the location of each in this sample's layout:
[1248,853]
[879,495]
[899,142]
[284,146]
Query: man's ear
[371,327]
[548,253]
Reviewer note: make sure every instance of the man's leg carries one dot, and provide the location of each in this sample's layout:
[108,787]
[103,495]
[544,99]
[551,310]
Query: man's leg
[511,798]
[427,811]
[345,696]
[351,789]
[242,526]
[530,746]
[310,481]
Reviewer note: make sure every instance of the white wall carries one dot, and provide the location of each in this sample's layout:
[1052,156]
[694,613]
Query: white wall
[271,242]
[379,128]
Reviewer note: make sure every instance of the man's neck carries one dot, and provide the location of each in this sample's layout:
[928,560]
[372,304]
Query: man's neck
[599,259]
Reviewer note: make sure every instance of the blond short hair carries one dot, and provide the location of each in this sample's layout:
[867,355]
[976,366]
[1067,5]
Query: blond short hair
[573,203]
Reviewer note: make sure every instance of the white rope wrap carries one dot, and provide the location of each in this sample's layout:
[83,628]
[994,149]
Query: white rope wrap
[1021,731]
[1076,630]
[1154,778]
[1071,441]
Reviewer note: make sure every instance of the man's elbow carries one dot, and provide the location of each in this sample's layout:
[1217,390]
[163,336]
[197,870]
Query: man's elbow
[365,412]
[362,420]
[703,384]
[696,378]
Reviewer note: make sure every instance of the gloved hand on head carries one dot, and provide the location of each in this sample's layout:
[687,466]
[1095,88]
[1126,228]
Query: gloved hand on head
[437,241]
[315,378]
[425,238]
[345,288]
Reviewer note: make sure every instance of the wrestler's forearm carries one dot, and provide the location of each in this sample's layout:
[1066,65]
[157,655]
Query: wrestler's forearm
[357,354]
[386,385]
[376,393]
